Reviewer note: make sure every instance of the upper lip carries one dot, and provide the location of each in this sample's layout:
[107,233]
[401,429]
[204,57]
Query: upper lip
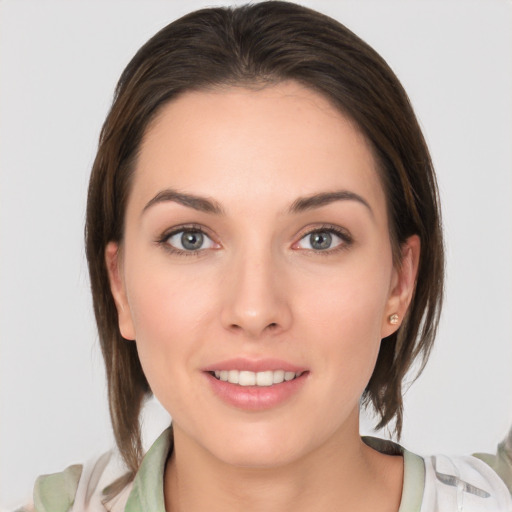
[254,365]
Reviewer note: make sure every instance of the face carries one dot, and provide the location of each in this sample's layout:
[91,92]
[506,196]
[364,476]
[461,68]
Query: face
[256,271]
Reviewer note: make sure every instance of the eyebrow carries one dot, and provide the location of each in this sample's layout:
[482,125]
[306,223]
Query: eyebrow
[198,203]
[301,204]
[324,198]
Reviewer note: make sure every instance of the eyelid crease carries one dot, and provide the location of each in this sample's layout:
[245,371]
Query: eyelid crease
[342,233]
[338,230]
[162,240]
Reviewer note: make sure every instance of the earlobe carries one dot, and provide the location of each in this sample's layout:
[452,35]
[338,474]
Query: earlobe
[403,286]
[117,287]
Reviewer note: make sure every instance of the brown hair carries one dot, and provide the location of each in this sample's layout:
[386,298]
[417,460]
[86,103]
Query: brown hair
[252,45]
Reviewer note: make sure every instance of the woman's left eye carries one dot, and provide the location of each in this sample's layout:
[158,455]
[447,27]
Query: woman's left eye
[189,240]
[322,240]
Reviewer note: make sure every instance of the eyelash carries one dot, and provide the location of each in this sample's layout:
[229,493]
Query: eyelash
[343,234]
[339,232]
[194,228]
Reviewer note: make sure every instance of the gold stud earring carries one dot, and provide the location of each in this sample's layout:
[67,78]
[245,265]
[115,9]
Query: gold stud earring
[393,319]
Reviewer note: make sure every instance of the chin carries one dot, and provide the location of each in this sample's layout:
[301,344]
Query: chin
[254,457]
[257,447]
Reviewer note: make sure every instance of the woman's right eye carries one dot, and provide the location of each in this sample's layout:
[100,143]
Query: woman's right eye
[189,241]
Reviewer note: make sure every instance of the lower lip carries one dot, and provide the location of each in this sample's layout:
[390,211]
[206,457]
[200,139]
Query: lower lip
[256,398]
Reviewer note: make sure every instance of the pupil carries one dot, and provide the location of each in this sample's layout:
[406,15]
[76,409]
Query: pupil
[321,240]
[192,240]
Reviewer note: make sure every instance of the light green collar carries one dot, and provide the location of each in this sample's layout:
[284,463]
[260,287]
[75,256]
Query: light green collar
[148,486]
[414,483]
[414,472]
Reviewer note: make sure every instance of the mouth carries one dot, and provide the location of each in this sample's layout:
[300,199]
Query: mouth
[246,378]
[256,384]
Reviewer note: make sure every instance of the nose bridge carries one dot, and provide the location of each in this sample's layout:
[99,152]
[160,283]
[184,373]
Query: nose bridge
[255,300]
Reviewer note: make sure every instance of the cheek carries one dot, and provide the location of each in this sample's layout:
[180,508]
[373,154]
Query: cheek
[351,299]
[349,334]
[163,295]
[170,307]
[345,317]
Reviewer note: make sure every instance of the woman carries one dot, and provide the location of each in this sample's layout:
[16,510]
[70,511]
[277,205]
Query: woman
[265,252]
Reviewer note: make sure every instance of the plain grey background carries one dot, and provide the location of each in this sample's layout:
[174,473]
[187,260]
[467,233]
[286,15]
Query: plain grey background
[59,62]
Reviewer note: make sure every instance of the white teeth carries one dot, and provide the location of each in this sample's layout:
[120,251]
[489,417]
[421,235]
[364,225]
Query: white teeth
[278,376]
[247,378]
[265,378]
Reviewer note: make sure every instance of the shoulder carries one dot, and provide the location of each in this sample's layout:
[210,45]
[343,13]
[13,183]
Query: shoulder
[81,487]
[89,487]
[501,461]
[463,483]
[57,491]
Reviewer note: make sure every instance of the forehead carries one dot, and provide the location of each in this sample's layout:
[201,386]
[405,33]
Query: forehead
[276,143]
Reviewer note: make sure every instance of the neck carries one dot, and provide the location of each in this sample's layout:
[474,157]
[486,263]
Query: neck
[342,474]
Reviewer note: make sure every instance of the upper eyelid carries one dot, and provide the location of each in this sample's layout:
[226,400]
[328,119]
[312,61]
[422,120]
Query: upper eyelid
[163,239]
[185,227]
[308,230]
[338,230]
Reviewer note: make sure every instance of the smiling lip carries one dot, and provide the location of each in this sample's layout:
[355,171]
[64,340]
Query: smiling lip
[261,365]
[255,397]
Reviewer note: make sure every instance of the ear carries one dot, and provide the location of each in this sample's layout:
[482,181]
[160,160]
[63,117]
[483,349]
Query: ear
[402,285]
[117,287]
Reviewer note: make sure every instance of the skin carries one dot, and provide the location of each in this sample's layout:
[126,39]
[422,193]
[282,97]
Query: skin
[257,289]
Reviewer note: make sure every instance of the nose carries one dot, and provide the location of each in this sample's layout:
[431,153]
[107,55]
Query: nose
[255,296]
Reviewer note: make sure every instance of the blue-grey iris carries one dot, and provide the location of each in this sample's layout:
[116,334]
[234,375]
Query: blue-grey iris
[320,240]
[192,240]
